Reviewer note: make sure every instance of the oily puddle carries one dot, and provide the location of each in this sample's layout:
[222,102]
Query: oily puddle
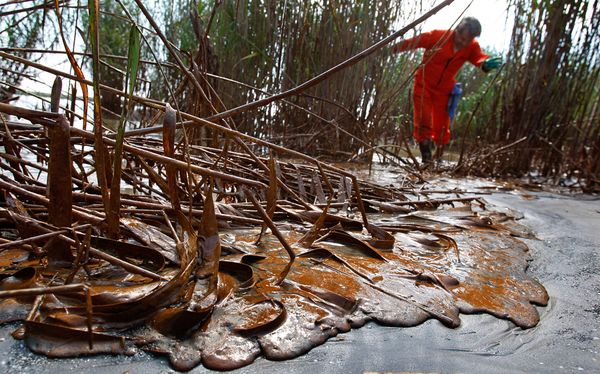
[405,269]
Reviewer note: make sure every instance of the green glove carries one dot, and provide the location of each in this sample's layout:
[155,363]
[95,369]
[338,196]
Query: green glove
[491,64]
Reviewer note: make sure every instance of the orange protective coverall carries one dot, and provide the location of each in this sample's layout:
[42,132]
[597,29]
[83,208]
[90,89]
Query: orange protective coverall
[434,81]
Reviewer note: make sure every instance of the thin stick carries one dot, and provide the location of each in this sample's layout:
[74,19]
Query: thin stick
[171,227]
[42,290]
[33,239]
[275,232]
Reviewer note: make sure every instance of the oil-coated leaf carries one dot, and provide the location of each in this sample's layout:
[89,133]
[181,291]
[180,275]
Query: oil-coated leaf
[61,341]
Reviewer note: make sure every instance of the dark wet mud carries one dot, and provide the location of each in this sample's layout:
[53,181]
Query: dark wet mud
[428,264]
[565,340]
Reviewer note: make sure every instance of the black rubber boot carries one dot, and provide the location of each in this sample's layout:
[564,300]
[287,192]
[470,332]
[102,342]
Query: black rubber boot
[425,148]
[439,152]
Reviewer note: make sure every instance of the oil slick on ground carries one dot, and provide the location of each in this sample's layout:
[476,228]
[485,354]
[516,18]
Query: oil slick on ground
[451,258]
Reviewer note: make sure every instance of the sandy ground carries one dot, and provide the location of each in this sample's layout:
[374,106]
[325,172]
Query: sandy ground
[567,339]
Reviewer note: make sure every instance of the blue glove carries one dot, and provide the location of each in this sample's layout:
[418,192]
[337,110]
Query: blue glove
[491,63]
[454,99]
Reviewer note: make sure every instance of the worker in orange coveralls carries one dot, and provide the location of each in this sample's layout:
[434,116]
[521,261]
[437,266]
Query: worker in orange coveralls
[446,51]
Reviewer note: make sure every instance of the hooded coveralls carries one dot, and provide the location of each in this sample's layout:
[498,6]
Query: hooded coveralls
[435,79]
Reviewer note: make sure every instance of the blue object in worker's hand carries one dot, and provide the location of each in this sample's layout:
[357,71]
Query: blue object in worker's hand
[454,99]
